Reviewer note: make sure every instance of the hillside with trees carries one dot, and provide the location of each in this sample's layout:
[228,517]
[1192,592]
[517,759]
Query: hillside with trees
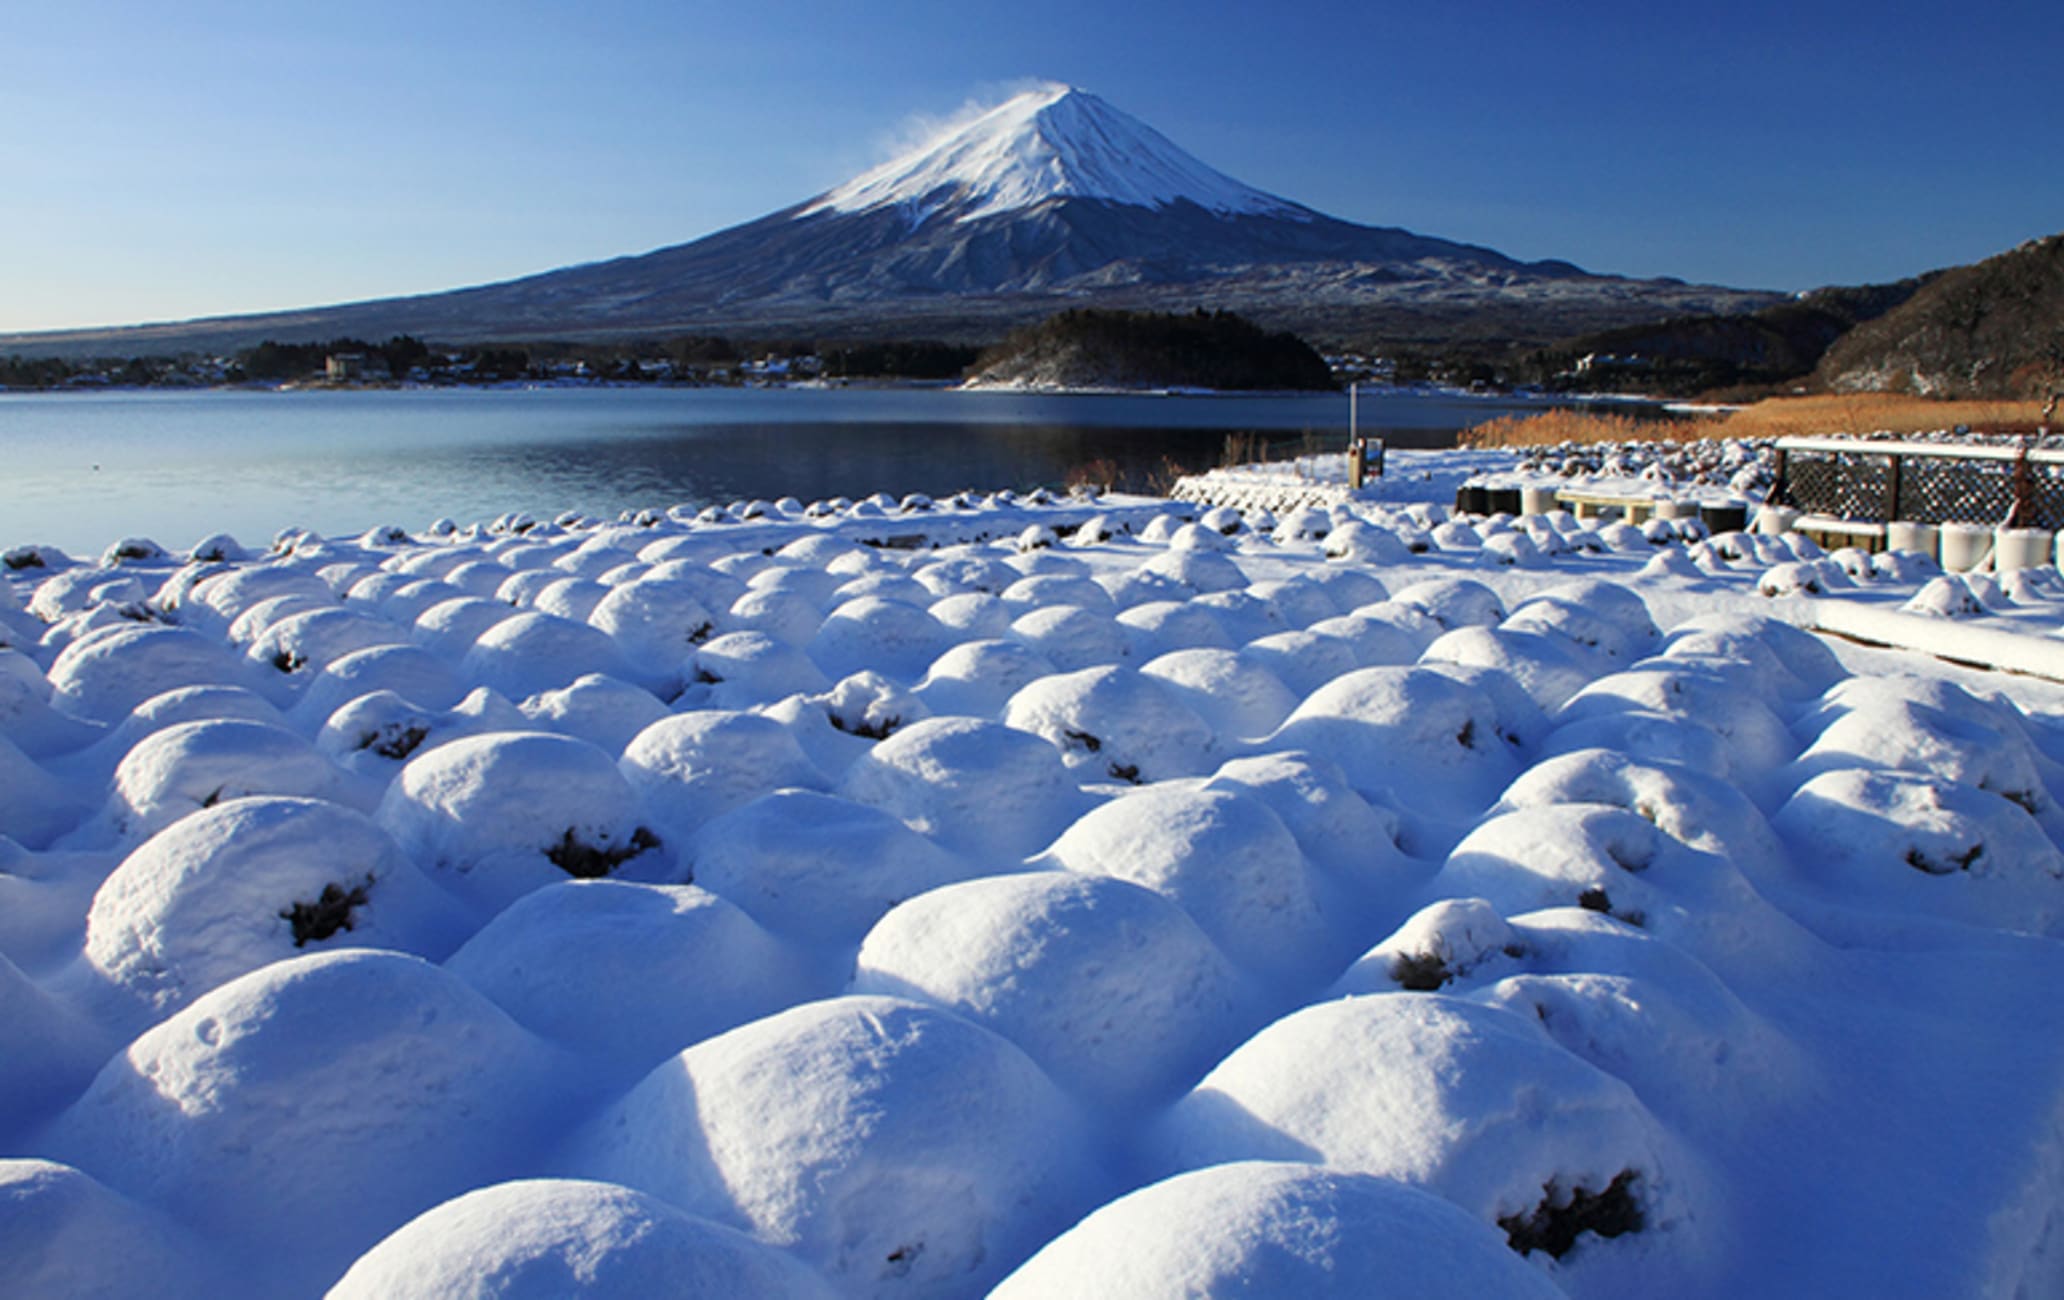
[1991,330]
[1690,355]
[1087,348]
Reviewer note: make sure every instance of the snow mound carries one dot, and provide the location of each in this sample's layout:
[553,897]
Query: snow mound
[690,768]
[898,1149]
[1072,637]
[818,868]
[190,766]
[1227,860]
[1115,723]
[988,790]
[1110,987]
[560,961]
[1233,692]
[104,676]
[545,1239]
[745,668]
[977,678]
[1408,735]
[254,881]
[1471,1103]
[495,816]
[63,1234]
[1261,1228]
[407,670]
[1453,602]
[1917,844]
[305,1110]
[603,711]
[531,652]
[891,637]
[1304,661]
[1442,942]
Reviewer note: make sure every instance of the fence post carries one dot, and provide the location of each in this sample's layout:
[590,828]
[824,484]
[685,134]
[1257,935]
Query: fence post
[1892,489]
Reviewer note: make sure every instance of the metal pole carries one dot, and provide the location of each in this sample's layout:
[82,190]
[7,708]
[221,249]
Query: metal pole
[1354,437]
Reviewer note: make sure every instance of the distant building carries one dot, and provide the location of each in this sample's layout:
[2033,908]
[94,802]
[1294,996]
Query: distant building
[344,367]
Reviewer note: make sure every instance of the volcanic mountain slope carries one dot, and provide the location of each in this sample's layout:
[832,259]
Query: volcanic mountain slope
[1053,199]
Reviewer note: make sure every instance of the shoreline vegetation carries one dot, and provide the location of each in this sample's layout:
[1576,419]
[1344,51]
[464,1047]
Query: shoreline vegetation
[1772,417]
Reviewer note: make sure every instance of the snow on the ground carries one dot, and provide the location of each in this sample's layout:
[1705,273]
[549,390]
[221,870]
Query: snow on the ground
[1080,897]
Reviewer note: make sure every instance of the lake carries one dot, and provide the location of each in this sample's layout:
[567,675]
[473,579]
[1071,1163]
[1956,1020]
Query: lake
[78,470]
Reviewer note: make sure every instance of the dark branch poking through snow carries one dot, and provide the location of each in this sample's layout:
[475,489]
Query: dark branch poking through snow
[1555,1228]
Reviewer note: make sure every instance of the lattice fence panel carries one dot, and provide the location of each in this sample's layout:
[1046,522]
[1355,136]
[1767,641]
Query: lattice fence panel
[1932,489]
[1844,485]
[1936,491]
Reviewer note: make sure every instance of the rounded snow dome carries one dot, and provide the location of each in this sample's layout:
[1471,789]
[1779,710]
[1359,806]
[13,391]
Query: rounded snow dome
[409,671]
[311,1103]
[1304,661]
[690,768]
[1110,987]
[451,625]
[1411,733]
[1238,697]
[254,881]
[531,652]
[1549,667]
[302,645]
[977,678]
[1224,858]
[190,766]
[1202,572]
[748,668]
[1906,842]
[494,816]
[891,637]
[103,677]
[1278,1229]
[973,614]
[1471,1103]
[895,1147]
[546,1239]
[601,710]
[980,787]
[1072,637]
[1115,723]
[64,1234]
[1453,602]
[783,615]
[655,623]
[562,959]
[819,868]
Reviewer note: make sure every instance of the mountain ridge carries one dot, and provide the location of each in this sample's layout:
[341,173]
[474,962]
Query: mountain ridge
[1052,200]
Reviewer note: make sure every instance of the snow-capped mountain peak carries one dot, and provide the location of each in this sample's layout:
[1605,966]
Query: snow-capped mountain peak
[1054,142]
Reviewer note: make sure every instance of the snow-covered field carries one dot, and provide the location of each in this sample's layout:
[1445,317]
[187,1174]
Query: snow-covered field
[1361,902]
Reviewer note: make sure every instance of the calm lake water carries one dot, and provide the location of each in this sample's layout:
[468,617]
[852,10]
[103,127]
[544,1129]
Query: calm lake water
[78,470]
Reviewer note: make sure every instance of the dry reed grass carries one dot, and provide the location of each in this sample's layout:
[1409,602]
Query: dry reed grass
[1838,413]
[1775,417]
[1551,427]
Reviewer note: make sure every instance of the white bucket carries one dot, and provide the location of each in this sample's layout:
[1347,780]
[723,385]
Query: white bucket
[2020,548]
[1965,546]
[1537,501]
[1905,535]
[1776,519]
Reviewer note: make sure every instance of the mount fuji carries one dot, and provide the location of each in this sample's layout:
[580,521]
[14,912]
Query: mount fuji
[1053,199]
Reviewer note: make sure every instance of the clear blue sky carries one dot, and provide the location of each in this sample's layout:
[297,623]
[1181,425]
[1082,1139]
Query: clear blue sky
[164,161]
